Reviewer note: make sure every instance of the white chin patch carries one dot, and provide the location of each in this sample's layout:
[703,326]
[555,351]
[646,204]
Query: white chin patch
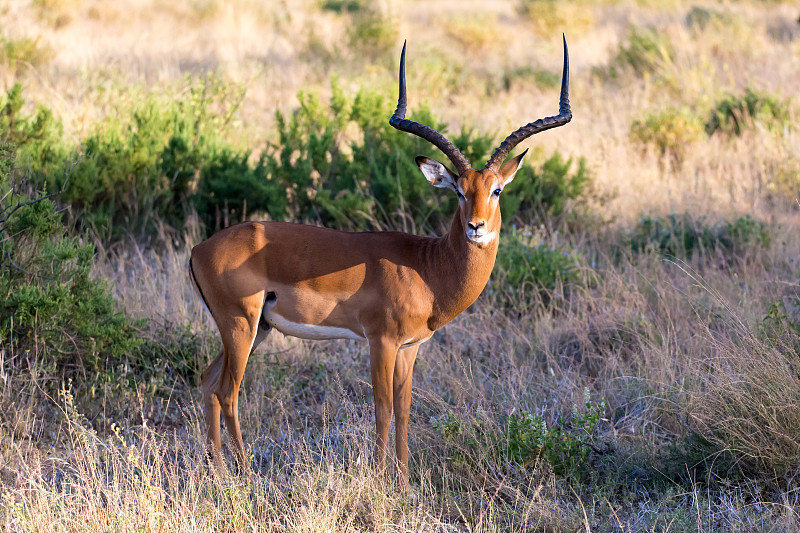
[483,238]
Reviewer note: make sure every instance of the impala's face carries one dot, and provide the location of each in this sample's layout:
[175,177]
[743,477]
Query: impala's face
[479,205]
[478,195]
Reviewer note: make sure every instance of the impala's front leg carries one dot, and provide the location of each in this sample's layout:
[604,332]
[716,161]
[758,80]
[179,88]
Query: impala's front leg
[403,370]
[382,355]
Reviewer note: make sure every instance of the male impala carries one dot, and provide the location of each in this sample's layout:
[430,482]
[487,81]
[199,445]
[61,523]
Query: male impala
[392,289]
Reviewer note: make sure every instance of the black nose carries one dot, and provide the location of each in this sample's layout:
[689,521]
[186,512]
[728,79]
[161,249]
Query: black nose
[474,227]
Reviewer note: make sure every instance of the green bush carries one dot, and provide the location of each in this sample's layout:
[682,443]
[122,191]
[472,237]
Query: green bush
[546,190]
[368,179]
[645,51]
[137,171]
[36,139]
[534,270]
[734,114]
[567,446]
[338,163]
[49,304]
[230,186]
[340,6]
[698,18]
[683,236]
[549,16]
[371,33]
[670,132]
[54,310]
[524,440]
[18,54]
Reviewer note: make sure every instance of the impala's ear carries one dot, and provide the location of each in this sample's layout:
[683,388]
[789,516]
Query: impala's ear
[510,167]
[436,173]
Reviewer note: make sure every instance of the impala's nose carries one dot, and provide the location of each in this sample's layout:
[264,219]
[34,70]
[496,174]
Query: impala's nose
[476,226]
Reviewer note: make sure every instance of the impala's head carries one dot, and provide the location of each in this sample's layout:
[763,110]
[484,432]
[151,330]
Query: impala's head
[478,190]
[478,194]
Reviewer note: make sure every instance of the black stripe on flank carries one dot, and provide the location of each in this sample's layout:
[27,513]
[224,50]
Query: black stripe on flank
[194,278]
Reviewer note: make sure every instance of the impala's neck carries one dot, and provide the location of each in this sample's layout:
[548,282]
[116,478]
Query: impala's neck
[463,271]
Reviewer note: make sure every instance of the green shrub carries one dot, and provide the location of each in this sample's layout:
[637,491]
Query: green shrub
[541,78]
[18,54]
[36,138]
[683,236]
[52,309]
[309,162]
[229,187]
[524,440]
[526,271]
[550,16]
[645,51]
[670,132]
[137,170]
[344,166]
[338,163]
[546,190]
[371,33]
[340,6]
[698,18]
[733,114]
[567,446]
[49,304]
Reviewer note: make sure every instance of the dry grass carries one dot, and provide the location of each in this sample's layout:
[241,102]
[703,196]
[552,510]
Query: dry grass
[640,339]
[276,50]
[677,349]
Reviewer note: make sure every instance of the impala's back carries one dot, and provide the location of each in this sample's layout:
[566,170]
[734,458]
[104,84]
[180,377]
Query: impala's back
[318,283]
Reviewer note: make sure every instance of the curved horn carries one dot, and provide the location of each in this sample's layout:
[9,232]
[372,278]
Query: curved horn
[399,121]
[564,116]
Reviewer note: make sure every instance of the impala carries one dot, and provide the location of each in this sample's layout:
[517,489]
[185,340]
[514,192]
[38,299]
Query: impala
[391,289]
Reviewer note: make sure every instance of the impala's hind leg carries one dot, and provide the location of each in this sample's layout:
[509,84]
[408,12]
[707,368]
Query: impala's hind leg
[221,381]
[208,382]
[230,407]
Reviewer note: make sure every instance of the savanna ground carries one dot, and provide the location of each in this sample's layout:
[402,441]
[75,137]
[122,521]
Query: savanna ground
[632,366]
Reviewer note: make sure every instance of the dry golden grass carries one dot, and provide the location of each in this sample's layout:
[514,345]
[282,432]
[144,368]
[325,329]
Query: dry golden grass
[277,49]
[639,338]
[673,347]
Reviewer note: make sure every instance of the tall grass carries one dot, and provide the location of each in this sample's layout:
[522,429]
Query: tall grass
[680,315]
[637,339]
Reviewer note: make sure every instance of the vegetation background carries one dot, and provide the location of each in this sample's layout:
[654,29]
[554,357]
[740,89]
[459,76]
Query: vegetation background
[636,364]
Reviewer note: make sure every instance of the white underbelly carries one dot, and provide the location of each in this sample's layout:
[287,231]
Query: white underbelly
[310,331]
[411,342]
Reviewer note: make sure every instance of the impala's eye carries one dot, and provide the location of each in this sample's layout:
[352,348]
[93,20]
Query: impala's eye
[496,192]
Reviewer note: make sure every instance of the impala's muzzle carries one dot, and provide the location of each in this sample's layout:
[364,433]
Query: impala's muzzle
[477,233]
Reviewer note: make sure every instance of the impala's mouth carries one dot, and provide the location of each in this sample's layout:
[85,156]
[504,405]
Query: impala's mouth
[479,237]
